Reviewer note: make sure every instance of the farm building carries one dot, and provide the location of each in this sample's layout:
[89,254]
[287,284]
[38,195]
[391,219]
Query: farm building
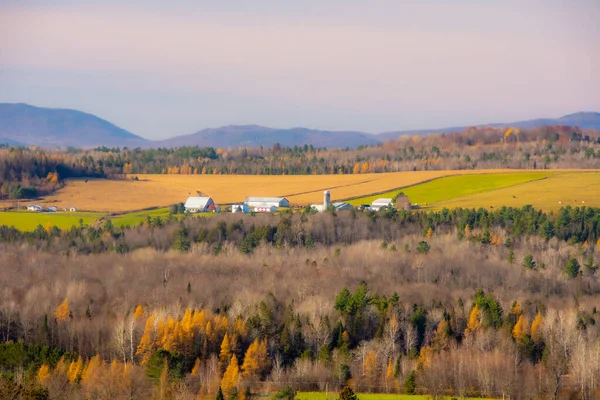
[196,204]
[267,202]
[73,209]
[243,208]
[381,203]
[265,209]
[342,206]
[52,209]
[35,207]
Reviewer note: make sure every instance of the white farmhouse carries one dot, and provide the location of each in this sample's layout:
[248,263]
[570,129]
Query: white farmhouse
[35,207]
[195,204]
[381,203]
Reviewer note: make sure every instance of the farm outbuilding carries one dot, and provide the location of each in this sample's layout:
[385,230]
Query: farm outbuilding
[35,207]
[243,208]
[267,202]
[195,204]
[342,206]
[381,203]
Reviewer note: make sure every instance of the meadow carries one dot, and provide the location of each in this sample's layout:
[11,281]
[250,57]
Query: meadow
[28,221]
[543,190]
[163,190]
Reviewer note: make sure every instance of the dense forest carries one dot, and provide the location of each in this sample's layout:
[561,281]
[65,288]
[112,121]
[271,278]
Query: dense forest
[26,173]
[460,303]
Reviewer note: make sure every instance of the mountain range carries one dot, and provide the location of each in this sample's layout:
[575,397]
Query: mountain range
[26,125]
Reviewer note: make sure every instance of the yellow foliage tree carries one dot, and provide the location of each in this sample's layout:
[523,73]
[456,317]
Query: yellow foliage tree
[92,370]
[231,378]
[255,361]
[429,233]
[474,320]
[139,312]
[62,311]
[225,353]
[146,346]
[520,328]
[517,309]
[370,366]
[43,373]
[75,369]
[389,374]
[535,326]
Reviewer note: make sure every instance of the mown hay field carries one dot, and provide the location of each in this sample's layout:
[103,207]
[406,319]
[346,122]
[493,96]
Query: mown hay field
[456,186]
[163,190]
[552,193]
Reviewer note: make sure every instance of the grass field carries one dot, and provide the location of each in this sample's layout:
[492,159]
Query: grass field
[456,186]
[28,221]
[361,396]
[552,193]
[163,190]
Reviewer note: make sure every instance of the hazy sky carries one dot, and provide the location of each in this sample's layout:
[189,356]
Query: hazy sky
[164,68]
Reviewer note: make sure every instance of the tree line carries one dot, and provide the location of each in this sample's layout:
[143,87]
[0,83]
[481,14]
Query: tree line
[455,303]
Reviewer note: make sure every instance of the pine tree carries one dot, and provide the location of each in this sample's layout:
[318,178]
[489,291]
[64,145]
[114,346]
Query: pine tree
[220,394]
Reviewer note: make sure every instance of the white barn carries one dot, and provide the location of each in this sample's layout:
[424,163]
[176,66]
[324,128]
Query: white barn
[267,202]
[195,204]
[35,207]
[381,203]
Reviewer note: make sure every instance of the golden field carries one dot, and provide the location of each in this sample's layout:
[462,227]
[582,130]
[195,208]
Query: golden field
[162,190]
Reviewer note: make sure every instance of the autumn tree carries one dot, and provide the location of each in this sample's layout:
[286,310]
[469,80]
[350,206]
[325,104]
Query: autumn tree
[231,378]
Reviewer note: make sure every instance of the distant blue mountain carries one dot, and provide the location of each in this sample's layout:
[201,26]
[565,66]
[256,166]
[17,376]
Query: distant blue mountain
[22,124]
[50,127]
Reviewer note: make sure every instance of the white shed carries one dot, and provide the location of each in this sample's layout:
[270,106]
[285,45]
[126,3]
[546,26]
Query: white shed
[266,202]
[381,203]
[196,204]
[240,208]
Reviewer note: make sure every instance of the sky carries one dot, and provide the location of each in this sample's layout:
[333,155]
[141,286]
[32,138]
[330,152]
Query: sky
[160,69]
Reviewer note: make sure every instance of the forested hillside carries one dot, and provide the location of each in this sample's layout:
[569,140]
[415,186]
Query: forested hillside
[462,303]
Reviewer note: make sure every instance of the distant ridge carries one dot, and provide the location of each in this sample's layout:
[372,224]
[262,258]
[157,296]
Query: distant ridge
[22,124]
[583,120]
[53,127]
[255,135]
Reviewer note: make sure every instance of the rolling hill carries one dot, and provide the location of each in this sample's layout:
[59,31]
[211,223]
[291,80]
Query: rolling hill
[254,135]
[22,124]
[50,127]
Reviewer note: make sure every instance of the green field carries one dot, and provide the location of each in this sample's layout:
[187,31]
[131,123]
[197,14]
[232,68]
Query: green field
[361,396]
[28,221]
[451,187]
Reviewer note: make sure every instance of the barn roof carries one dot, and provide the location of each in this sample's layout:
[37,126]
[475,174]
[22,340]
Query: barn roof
[383,201]
[197,202]
[265,199]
